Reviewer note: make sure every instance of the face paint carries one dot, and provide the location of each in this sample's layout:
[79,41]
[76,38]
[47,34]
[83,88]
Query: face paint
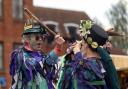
[39,37]
[36,42]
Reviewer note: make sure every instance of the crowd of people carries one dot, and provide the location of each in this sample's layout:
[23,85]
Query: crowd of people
[86,65]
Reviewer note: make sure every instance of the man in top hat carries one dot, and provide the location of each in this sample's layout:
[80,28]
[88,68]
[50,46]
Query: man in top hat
[30,68]
[82,66]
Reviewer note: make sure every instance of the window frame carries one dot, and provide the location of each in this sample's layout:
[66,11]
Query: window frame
[67,25]
[56,24]
[2,11]
[67,30]
[14,11]
[2,56]
[56,29]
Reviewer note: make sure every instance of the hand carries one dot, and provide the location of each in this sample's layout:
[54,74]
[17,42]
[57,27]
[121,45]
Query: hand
[59,43]
[108,45]
[77,46]
[70,48]
[59,40]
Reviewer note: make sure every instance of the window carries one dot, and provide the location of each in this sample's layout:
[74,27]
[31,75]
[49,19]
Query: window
[71,30]
[18,9]
[54,27]
[1,56]
[1,7]
[73,33]
[51,36]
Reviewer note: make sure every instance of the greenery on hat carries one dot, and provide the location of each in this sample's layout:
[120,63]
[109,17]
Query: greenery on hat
[85,26]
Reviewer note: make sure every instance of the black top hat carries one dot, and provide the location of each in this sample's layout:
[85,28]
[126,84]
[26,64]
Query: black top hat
[31,26]
[93,34]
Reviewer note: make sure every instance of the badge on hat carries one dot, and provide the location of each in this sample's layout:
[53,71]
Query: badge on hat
[28,24]
[31,26]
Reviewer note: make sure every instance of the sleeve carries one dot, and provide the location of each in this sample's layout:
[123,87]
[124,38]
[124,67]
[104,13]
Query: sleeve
[50,66]
[14,64]
[52,58]
[78,56]
[111,73]
[64,80]
[14,69]
[77,61]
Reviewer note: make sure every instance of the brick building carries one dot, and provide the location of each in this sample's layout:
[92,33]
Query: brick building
[11,26]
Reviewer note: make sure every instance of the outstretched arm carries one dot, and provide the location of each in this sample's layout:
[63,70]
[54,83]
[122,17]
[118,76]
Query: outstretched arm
[53,55]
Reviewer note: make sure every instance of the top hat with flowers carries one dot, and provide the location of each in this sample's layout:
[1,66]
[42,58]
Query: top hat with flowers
[93,34]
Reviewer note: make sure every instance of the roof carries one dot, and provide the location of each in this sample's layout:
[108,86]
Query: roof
[60,15]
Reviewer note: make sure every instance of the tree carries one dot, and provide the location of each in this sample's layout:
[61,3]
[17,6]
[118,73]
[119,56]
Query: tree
[118,17]
[96,20]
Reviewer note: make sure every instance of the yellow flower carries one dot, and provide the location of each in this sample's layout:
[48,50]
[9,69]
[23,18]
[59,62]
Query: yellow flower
[94,44]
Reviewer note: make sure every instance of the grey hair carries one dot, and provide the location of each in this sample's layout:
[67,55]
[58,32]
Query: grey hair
[25,38]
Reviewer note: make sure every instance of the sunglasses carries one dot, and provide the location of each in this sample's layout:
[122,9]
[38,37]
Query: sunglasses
[39,37]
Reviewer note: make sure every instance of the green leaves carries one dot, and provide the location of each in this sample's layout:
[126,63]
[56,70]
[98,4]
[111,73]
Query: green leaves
[85,27]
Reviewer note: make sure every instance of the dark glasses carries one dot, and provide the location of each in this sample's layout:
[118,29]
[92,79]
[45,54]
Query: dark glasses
[39,37]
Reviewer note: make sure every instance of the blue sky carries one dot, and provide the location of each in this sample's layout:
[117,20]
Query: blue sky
[94,8]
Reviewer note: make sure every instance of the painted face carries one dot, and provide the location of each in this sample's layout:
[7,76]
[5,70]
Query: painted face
[36,42]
